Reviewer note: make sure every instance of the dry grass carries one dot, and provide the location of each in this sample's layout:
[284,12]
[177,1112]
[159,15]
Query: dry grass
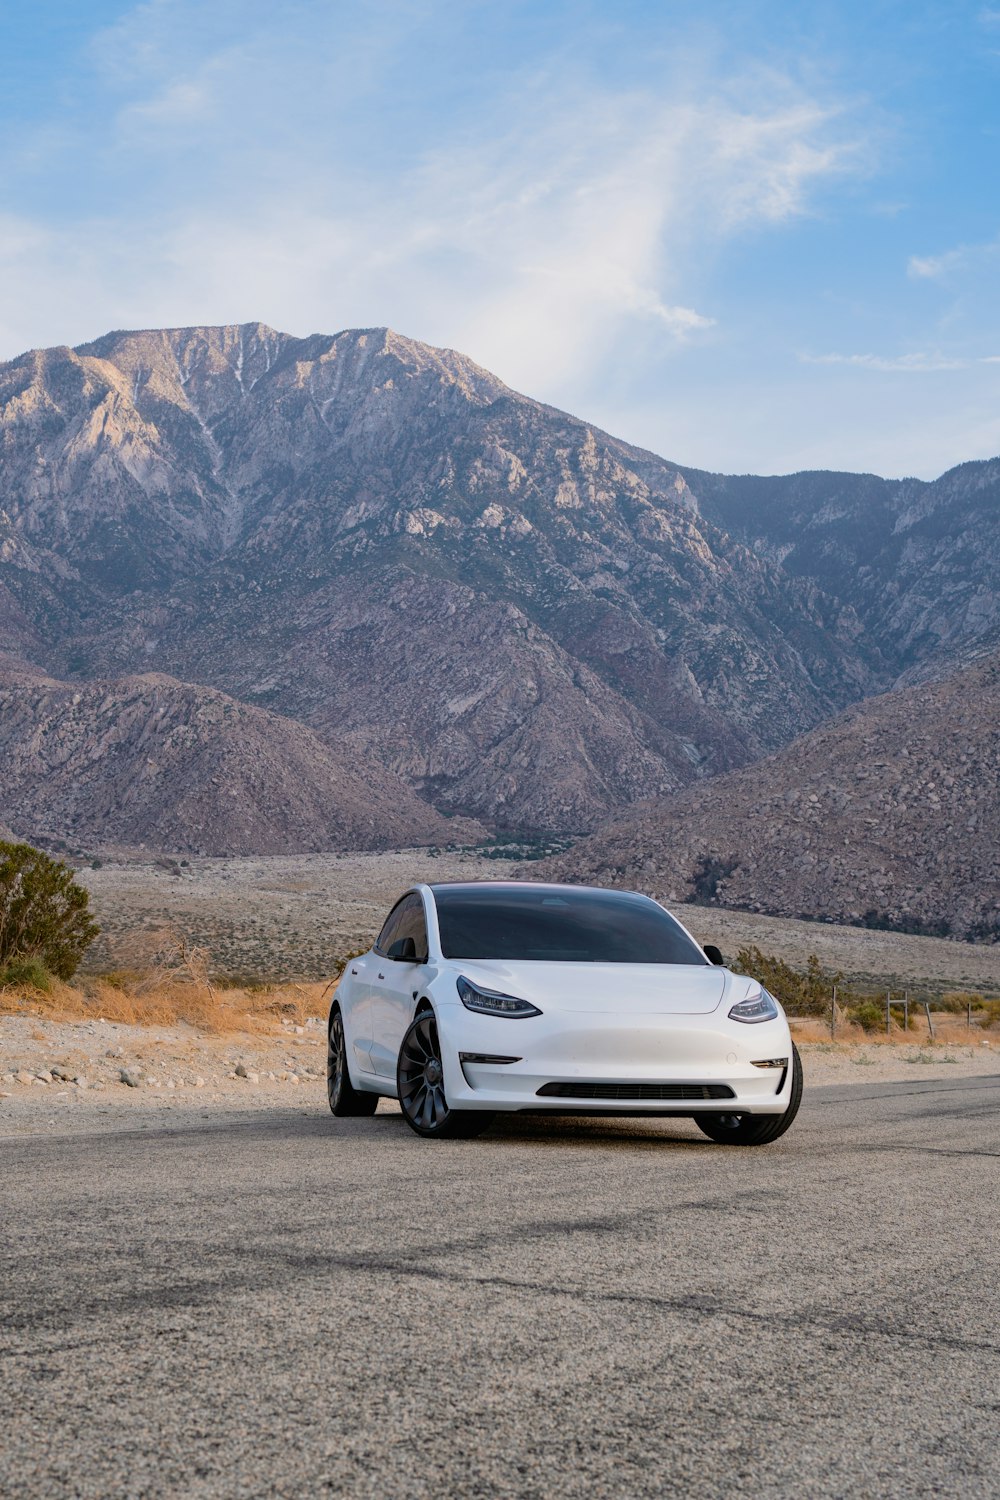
[164,981]
[949,1030]
[143,1003]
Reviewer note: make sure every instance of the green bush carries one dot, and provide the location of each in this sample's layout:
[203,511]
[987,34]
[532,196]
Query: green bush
[807,994]
[27,973]
[869,1015]
[44,914]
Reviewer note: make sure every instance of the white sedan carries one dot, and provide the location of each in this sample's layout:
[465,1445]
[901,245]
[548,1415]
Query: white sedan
[500,996]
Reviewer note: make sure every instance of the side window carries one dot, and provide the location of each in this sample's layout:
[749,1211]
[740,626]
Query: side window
[388,933]
[412,924]
[405,920]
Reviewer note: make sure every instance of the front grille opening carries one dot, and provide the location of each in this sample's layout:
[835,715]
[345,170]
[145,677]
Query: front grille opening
[653,1092]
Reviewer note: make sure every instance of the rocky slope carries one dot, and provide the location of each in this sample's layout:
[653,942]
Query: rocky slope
[238,507]
[915,561]
[149,761]
[528,620]
[888,815]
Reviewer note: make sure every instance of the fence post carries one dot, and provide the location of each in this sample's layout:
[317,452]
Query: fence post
[930,1023]
[968,1015]
[906,1012]
[833,1014]
[888,1014]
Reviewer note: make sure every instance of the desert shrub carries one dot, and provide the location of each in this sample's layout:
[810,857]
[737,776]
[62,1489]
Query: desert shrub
[26,973]
[881,921]
[706,877]
[869,1015]
[804,994]
[44,914]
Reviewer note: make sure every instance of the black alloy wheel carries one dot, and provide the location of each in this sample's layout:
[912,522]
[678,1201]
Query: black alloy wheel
[343,1097]
[420,1083]
[755,1130]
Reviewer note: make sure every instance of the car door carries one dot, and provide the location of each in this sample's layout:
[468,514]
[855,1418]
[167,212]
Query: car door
[396,983]
[356,1007]
[363,971]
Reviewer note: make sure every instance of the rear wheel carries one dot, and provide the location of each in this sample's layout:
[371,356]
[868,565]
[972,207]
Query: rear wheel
[344,1098]
[755,1130]
[420,1084]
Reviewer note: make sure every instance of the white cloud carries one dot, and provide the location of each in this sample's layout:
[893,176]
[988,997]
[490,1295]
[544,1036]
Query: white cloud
[538,227]
[962,258]
[917,363]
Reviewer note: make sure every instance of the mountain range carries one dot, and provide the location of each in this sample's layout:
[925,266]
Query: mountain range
[151,762]
[467,596]
[886,816]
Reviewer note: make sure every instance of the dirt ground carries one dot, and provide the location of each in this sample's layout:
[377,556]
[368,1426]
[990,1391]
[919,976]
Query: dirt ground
[50,1070]
[300,916]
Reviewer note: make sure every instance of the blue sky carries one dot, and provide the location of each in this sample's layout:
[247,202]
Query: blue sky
[750,236]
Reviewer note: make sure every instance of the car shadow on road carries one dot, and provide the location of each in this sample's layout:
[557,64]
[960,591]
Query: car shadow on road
[556,1131]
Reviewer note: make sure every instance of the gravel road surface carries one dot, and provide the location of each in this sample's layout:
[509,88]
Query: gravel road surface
[248,1304]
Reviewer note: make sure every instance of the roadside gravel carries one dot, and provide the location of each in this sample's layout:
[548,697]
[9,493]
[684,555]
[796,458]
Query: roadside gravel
[97,1068]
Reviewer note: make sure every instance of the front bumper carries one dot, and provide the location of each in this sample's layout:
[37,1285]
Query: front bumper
[683,1061]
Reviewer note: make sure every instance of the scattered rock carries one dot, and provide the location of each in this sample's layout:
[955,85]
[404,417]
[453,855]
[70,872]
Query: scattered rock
[131,1079]
[24,1077]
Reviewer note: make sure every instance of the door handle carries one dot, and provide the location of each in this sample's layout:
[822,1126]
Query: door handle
[381,976]
[354,971]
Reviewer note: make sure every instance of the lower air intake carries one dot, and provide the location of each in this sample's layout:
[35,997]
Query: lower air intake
[654,1092]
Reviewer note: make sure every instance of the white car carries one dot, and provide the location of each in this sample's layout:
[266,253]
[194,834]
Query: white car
[501,996]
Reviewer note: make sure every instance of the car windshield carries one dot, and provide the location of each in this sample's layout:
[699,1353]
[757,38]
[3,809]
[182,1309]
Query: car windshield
[563,925]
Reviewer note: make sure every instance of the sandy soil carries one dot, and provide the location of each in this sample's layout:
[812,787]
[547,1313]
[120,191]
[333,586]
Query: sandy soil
[301,916]
[289,916]
[49,1070]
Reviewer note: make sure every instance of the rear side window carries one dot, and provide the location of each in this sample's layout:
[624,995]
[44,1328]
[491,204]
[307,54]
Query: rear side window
[569,925]
[405,920]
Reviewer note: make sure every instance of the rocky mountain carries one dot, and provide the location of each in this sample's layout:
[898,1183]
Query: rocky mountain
[152,761]
[916,561]
[889,815]
[528,620]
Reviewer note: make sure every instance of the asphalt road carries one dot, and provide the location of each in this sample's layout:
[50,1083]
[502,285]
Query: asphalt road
[281,1304]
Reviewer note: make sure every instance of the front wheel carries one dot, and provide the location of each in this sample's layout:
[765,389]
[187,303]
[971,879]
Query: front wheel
[343,1097]
[755,1130]
[420,1085]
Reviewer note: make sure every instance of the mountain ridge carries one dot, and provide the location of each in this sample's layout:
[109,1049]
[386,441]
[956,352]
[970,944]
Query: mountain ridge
[887,815]
[530,621]
[147,760]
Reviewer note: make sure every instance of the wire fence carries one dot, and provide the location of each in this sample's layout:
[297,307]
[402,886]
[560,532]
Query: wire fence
[898,1011]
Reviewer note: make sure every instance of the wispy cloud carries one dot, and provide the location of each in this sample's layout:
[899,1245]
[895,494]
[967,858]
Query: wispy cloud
[288,174]
[914,364]
[961,258]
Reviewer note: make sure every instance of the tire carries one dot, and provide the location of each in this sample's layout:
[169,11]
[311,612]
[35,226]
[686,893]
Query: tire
[755,1130]
[342,1097]
[420,1085]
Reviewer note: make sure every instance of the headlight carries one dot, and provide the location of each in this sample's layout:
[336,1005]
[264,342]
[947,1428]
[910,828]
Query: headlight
[758,1007]
[490,1003]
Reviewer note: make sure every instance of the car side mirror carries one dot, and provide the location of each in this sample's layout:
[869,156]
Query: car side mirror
[403,950]
[714,954]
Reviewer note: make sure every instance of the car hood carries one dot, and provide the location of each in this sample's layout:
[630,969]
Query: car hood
[631,989]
